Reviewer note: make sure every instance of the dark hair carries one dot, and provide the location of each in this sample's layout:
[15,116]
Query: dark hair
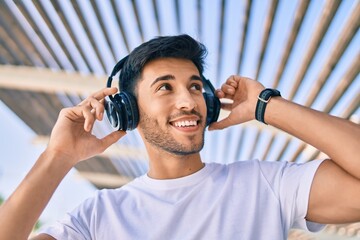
[181,46]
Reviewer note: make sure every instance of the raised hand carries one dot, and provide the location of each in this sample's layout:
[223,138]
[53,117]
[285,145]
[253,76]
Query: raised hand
[71,141]
[243,93]
[71,136]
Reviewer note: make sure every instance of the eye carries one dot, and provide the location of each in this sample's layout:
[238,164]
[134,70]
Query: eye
[196,87]
[164,87]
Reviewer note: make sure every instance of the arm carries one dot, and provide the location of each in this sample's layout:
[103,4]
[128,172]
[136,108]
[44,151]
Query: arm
[335,191]
[71,141]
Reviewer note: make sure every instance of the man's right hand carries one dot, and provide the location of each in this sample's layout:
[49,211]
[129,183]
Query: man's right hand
[71,136]
[71,141]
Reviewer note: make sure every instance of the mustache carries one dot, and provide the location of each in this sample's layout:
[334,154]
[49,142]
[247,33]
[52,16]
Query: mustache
[185,113]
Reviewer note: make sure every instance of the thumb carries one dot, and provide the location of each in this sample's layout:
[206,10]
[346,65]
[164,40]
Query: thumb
[226,122]
[111,138]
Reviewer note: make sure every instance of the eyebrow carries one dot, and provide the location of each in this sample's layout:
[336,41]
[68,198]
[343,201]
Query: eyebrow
[172,77]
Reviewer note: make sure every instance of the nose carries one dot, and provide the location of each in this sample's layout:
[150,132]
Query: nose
[185,101]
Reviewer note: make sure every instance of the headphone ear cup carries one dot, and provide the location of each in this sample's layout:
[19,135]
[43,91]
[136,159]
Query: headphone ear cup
[118,105]
[213,107]
[111,112]
[130,110]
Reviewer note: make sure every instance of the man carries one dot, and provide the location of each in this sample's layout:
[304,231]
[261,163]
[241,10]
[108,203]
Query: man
[181,197]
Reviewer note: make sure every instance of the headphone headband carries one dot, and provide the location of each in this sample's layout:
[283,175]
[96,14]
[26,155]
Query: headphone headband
[115,70]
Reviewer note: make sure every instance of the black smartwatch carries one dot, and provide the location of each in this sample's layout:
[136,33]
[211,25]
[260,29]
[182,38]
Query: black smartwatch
[263,99]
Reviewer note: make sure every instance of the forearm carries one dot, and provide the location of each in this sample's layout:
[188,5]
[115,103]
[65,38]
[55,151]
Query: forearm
[336,137]
[20,212]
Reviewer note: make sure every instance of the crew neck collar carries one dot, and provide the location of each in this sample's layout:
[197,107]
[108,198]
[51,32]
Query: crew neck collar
[166,184]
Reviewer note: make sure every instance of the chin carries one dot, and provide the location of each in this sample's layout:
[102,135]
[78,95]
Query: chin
[184,150]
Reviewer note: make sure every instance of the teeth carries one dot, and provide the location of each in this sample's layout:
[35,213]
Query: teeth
[185,123]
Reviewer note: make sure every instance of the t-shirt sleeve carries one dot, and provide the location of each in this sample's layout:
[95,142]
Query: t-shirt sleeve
[75,225]
[292,183]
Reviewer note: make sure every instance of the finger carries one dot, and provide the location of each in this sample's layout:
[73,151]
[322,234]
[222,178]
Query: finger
[228,89]
[100,95]
[227,106]
[220,94]
[89,118]
[111,139]
[226,122]
[97,107]
[233,81]
[104,92]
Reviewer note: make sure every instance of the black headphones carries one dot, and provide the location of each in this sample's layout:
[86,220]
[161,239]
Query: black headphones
[122,110]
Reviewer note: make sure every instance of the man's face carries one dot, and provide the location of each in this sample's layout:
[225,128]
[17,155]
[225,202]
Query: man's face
[171,106]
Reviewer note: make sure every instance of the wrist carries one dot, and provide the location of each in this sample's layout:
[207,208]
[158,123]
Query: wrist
[58,159]
[264,98]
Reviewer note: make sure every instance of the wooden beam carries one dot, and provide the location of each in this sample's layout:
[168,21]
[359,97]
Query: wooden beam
[49,80]
[105,179]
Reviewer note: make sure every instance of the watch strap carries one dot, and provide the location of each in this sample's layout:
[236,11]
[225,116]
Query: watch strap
[263,98]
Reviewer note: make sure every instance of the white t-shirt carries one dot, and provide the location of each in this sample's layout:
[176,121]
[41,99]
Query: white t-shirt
[243,200]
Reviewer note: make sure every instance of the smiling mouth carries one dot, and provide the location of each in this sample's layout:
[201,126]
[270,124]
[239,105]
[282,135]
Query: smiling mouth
[185,123]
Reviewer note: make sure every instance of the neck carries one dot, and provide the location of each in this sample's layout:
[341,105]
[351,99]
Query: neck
[164,165]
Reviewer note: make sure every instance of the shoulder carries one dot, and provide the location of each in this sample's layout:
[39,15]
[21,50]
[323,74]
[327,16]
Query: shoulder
[256,165]
[246,170]
[245,167]
[271,171]
[275,166]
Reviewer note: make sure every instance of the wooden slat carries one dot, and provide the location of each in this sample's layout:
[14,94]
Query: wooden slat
[244,34]
[9,49]
[138,21]
[156,14]
[349,31]
[29,109]
[327,15]
[344,84]
[220,49]
[11,99]
[25,12]
[199,19]
[177,12]
[267,30]
[299,17]
[71,35]
[89,35]
[39,47]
